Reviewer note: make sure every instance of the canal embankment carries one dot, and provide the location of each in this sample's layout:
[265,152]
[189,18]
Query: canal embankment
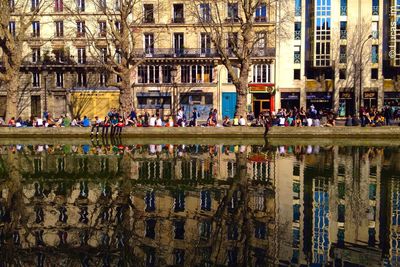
[378,133]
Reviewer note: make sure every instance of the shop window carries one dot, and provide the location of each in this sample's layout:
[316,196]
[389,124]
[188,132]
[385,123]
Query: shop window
[342,74]
[154,102]
[374,74]
[296,74]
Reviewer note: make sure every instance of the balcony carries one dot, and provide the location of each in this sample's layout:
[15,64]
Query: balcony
[375,34]
[60,61]
[260,19]
[178,20]
[343,34]
[80,34]
[297,58]
[148,20]
[232,20]
[297,11]
[375,59]
[264,52]
[297,35]
[342,58]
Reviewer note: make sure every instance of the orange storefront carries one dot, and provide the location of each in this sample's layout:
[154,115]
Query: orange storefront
[262,97]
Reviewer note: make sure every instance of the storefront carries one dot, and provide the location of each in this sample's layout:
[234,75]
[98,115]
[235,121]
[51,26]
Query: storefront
[153,101]
[346,104]
[202,101]
[320,100]
[391,99]
[263,98]
[370,99]
[290,100]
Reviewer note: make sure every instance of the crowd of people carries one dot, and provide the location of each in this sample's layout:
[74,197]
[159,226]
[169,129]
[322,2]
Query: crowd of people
[114,121]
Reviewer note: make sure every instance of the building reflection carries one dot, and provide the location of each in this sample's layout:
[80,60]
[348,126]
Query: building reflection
[200,205]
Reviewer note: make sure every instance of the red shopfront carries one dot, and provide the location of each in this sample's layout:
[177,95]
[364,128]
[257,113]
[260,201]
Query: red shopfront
[262,97]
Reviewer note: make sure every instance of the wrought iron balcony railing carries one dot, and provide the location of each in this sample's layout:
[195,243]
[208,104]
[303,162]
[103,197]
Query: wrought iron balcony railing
[343,34]
[343,11]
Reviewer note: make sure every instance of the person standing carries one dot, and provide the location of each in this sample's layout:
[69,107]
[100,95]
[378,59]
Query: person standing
[193,121]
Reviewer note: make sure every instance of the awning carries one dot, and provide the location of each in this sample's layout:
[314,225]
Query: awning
[152,94]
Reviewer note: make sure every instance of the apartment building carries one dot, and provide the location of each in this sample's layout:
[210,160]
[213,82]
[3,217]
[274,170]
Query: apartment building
[337,47]
[176,64]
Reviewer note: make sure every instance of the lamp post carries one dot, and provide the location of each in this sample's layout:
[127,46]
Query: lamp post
[361,69]
[45,89]
[174,74]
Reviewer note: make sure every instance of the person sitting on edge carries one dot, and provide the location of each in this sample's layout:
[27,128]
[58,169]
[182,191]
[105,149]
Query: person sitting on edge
[11,122]
[152,121]
[159,122]
[349,121]
[86,122]
[226,122]
[235,121]
[95,125]
[242,121]
[298,122]
[210,121]
[170,122]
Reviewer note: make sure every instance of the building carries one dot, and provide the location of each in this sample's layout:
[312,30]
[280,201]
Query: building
[177,66]
[330,45]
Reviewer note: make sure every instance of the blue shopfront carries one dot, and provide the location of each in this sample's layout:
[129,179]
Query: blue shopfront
[202,101]
[228,104]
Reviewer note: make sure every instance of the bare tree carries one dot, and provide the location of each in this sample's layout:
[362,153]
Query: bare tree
[15,19]
[113,43]
[247,31]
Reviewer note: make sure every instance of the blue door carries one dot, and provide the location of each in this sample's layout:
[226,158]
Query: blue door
[228,104]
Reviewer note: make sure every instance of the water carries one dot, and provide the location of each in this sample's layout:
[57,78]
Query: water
[94,204]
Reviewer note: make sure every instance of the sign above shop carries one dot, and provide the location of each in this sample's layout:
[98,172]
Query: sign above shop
[346,95]
[370,95]
[262,88]
[392,95]
[290,96]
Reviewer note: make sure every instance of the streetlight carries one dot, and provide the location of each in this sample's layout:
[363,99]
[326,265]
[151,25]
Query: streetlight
[361,69]
[174,74]
[45,90]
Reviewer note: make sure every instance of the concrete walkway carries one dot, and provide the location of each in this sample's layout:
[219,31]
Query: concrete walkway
[378,133]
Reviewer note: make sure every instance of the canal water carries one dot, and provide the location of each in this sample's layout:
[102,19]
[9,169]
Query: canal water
[174,204]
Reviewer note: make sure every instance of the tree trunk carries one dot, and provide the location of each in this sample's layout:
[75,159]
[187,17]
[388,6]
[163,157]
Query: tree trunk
[241,100]
[125,94]
[12,98]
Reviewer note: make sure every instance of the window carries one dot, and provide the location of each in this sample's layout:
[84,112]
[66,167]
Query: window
[58,6]
[343,7]
[103,54]
[261,73]
[102,4]
[117,5]
[35,79]
[297,7]
[322,30]
[232,41]
[11,5]
[296,74]
[375,57]
[179,257]
[35,29]
[343,54]
[81,79]
[59,28]
[233,231]
[12,28]
[343,30]
[35,55]
[178,16]
[205,12]
[205,43]
[179,229]
[374,74]
[178,43]
[150,228]
[103,79]
[81,52]
[102,28]
[59,79]
[148,74]
[197,73]
[35,4]
[148,13]
[150,201]
[260,41]
[118,25]
[149,44]
[118,57]
[260,230]
[229,78]
[233,12]
[80,29]
[80,5]
[342,74]
[59,55]
[375,7]
[156,102]
[179,203]
[297,30]
[261,13]
[297,54]
[205,200]
[166,74]
[375,31]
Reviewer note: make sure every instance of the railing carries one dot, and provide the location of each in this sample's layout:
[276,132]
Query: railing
[343,11]
[375,10]
[260,19]
[297,35]
[148,20]
[197,52]
[343,34]
[232,19]
[178,20]
[375,58]
[375,34]
[297,11]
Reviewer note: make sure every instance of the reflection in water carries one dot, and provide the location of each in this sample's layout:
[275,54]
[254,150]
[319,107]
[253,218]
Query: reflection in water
[198,205]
